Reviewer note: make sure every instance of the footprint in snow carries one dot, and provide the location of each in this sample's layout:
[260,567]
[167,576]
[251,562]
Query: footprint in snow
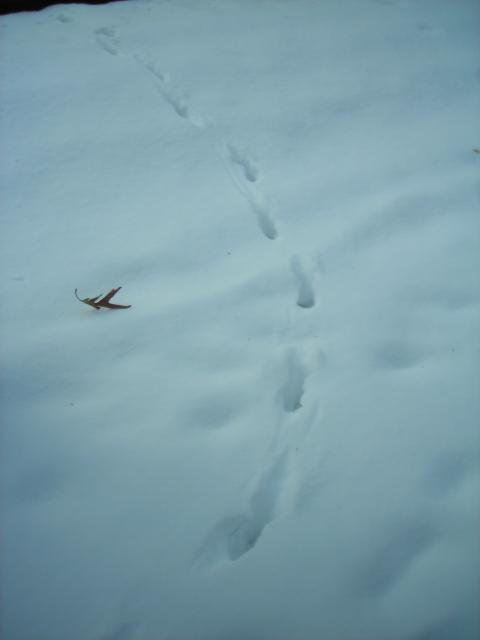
[152,68]
[293,389]
[265,221]
[106,38]
[172,95]
[233,155]
[229,540]
[177,102]
[244,161]
[62,17]
[234,536]
[305,293]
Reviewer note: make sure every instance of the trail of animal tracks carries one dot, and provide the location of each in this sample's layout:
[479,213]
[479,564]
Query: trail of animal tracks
[278,439]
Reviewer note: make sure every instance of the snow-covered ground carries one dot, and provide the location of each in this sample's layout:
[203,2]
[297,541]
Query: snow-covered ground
[279,440]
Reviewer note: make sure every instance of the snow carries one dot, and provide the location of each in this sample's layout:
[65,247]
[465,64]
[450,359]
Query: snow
[279,440]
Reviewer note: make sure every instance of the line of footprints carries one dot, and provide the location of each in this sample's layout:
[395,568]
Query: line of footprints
[235,535]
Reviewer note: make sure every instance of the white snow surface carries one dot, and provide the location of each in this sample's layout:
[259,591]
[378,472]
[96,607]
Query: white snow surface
[279,440]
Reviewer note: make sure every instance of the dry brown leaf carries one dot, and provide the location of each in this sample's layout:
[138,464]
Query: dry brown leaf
[103,302]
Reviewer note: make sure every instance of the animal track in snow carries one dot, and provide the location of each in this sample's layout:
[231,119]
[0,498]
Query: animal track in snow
[239,157]
[62,17]
[306,296]
[231,154]
[235,536]
[171,94]
[293,389]
[106,38]
[177,102]
[265,222]
[152,68]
